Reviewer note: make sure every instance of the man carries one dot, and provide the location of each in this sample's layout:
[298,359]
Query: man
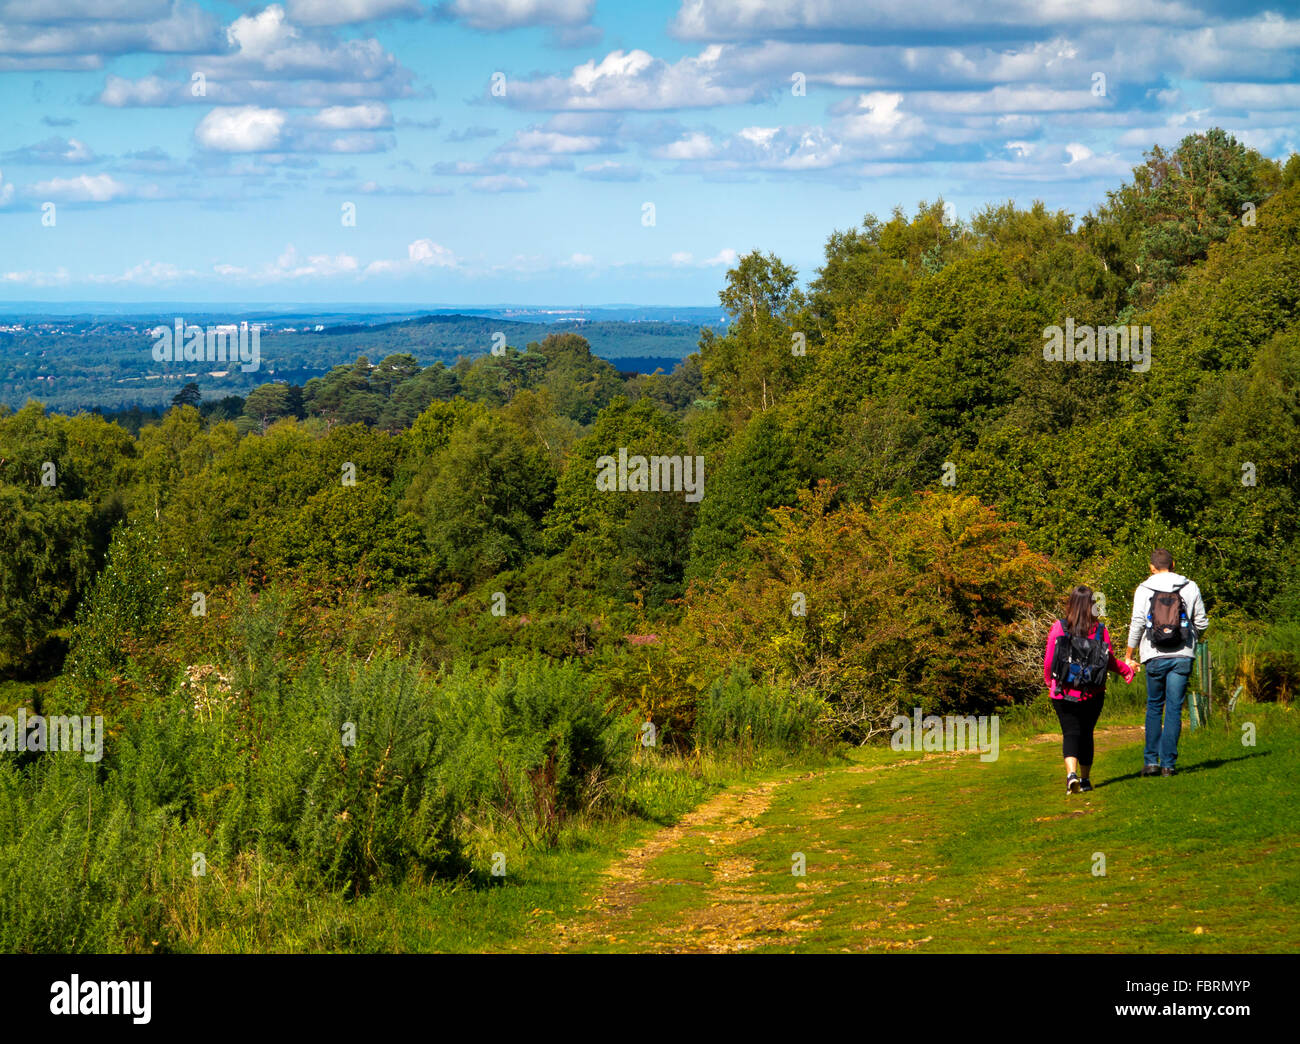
[1168,617]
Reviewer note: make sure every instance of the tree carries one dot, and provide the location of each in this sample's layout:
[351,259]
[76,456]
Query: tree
[267,403]
[1179,203]
[579,384]
[483,508]
[950,358]
[45,562]
[581,510]
[188,396]
[754,365]
[757,473]
[127,604]
[1244,460]
[883,450]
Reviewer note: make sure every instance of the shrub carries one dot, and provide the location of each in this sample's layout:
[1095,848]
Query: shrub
[910,601]
[532,742]
[127,604]
[81,869]
[737,712]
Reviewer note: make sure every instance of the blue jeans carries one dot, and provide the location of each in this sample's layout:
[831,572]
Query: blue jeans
[1166,689]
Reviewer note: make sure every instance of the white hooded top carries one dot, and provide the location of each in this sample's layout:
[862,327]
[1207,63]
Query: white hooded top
[1192,603]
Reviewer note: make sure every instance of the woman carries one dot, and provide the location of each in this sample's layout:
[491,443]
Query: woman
[1078,709]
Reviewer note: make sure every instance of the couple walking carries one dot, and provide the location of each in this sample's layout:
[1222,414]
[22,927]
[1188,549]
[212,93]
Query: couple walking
[1168,617]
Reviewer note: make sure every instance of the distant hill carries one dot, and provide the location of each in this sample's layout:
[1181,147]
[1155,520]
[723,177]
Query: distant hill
[455,335]
[70,362]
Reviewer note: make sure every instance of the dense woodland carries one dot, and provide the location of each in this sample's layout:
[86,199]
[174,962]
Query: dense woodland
[898,488]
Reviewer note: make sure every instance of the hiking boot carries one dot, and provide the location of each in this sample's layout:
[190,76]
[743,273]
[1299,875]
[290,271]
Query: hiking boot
[1168,771]
[1085,785]
[1150,770]
[1072,784]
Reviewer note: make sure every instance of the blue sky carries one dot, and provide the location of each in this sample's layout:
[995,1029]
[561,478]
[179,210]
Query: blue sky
[501,151]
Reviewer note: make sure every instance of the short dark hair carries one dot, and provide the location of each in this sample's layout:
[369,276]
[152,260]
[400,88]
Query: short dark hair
[1162,559]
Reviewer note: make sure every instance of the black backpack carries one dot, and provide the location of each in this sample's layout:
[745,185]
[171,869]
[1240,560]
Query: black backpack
[1080,663]
[1167,618]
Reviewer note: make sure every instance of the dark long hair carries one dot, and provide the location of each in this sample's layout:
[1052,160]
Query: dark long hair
[1079,616]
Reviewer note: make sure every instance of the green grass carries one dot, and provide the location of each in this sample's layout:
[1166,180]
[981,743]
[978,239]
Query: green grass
[903,852]
[946,853]
[541,888]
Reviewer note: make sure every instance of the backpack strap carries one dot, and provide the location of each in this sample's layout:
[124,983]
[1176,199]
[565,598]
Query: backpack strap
[1186,610]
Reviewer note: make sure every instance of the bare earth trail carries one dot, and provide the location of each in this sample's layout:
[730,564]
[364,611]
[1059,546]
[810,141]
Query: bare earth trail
[695,886]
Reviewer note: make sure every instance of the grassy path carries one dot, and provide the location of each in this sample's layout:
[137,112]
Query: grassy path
[944,852]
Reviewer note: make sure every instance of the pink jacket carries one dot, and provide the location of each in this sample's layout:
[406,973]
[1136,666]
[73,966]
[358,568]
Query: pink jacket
[1118,666]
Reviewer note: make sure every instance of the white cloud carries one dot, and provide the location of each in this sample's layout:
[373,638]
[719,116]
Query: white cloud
[268,59]
[421,253]
[373,188]
[250,128]
[77,152]
[462,167]
[119,92]
[1046,162]
[500,183]
[1256,96]
[496,15]
[371,116]
[1026,98]
[726,256]
[290,265]
[634,80]
[265,34]
[693,146]
[88,188]
[349,12]
[745,19]
[608,170]
[758,148]
[525,161]
[80,34]
[877,114]
[148,273]
[32,278]
[427,252]
[54,150]
[550,141]
[244,129]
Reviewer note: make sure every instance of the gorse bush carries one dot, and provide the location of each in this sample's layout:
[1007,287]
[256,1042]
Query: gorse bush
[80,869]
[352,786]
[659,681]
[344,778]
[532,742]
[737,713]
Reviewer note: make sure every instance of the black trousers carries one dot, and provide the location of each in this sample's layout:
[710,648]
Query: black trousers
[1077,722]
